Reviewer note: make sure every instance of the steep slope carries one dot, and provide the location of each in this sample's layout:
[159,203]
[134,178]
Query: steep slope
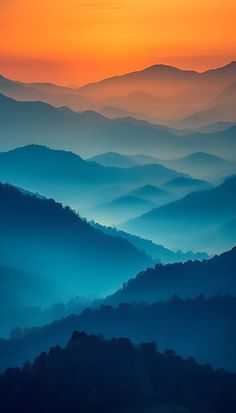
[187,223]
[209,277]
[41,237]
[157,252]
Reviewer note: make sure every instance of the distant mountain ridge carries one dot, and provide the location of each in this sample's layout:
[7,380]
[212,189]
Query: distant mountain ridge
[203,165]
[161,72]
[189,221]
[121,209]
[114,159]
[158,93]
[70,179]
[88,133]
[157,252]
[45,92]
[154,194]
[183,185]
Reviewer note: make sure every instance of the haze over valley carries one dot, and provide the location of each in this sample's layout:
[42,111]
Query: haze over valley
[118,219]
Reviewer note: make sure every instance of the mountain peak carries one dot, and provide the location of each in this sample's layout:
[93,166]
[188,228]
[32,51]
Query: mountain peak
[201,155]
[231,64]
[161,66]
[44,153]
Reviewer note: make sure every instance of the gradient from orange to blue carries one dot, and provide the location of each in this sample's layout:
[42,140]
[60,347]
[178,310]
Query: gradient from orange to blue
[77,41]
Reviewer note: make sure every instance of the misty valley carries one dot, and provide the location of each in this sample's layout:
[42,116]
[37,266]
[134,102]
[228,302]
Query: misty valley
[118,244]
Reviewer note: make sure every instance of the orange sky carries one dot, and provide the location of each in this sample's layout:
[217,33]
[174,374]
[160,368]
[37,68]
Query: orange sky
[77,41]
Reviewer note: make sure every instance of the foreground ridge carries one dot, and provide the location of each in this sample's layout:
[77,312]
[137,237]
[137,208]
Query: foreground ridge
[94,375]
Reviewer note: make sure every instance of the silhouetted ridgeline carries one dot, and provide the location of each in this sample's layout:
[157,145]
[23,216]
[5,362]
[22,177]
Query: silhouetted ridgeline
[156,92]
[54,244]
[169,324]
[214,276]
[92,375]
[24,123]
[68,178]
[76,170]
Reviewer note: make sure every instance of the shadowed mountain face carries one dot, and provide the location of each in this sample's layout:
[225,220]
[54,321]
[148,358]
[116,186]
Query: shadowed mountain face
[88,133]
[43,238]
[209,277]
[190,221]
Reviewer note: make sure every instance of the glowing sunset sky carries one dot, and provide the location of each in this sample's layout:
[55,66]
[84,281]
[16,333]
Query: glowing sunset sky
[77,41]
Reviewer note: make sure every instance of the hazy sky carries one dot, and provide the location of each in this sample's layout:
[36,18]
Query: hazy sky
[77,41]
